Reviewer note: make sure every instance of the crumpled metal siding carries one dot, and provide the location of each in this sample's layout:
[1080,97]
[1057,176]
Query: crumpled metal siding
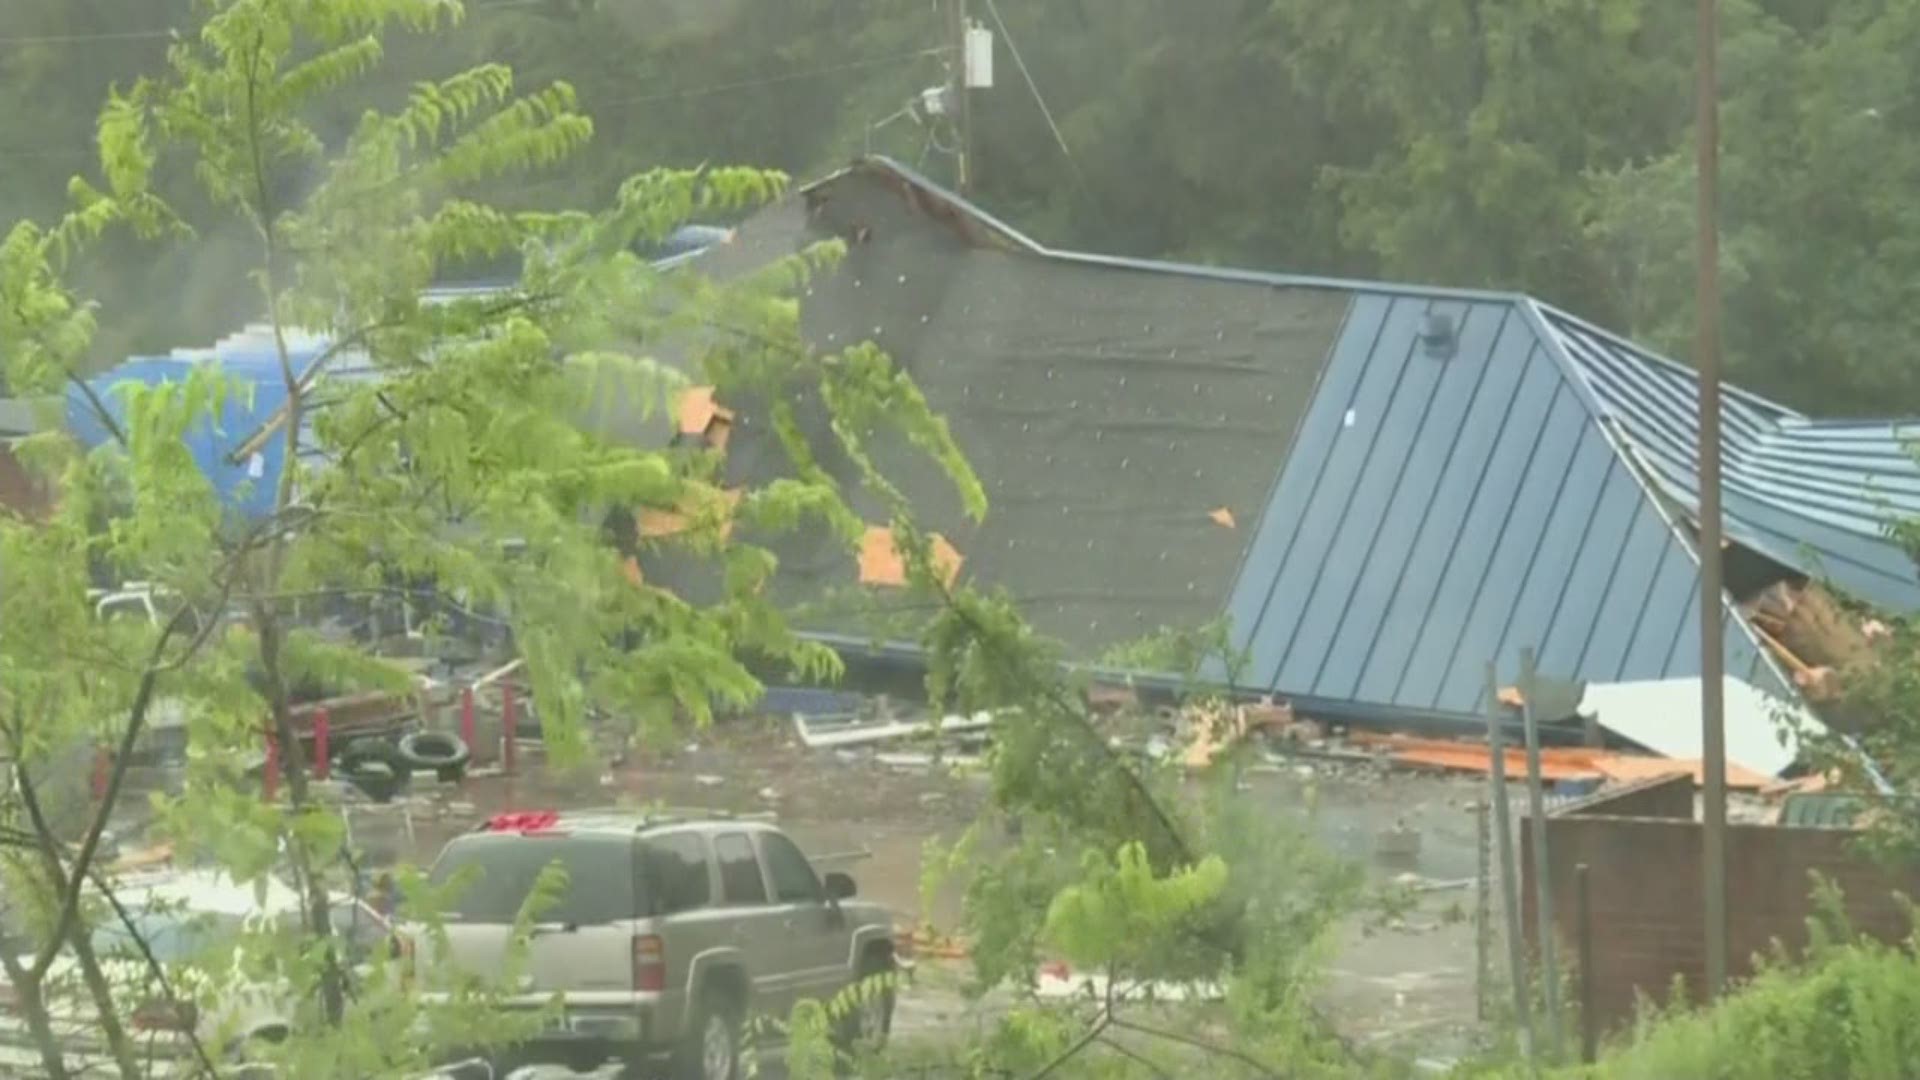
[1814,495]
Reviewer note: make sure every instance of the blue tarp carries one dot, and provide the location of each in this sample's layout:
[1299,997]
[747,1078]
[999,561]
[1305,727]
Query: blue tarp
[258,391]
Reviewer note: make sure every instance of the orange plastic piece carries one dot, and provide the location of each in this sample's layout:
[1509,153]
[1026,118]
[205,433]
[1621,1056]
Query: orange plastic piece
[696,410]
[881,562]
[1224,517]
[1627,768]
[1468,758]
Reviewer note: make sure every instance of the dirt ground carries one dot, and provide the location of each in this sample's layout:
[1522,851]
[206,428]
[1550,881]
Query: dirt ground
[1408,985]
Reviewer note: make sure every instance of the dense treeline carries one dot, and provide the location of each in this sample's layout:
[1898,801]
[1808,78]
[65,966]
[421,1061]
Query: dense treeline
[1528,144]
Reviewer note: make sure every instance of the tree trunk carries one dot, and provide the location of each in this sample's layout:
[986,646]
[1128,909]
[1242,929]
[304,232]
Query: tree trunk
[293,763]
[102,994]
[32,1004]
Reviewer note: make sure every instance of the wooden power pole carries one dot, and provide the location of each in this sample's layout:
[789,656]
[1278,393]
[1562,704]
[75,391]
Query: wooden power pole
[1713,734]
[962,103]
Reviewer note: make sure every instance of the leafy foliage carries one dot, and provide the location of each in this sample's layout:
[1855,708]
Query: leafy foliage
[466,460]
[1527,145]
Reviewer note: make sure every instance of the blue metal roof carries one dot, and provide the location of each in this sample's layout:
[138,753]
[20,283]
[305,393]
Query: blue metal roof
[1814,495]
[1437,513]
[1433,514]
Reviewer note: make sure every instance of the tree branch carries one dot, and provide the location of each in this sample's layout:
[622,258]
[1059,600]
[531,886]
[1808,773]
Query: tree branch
[136,723]
[1200,1044]
[1113,1044]
[1085,1040]
[153,964]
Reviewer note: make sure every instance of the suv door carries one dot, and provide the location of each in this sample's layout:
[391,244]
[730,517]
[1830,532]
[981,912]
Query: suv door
[753,926]
[815,931]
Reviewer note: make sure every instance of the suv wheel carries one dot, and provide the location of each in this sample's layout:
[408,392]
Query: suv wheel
[711,1047]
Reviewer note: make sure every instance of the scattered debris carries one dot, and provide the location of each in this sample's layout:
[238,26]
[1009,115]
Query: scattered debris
[1397,844]
[1057,981]
[822,733]
[1663,715]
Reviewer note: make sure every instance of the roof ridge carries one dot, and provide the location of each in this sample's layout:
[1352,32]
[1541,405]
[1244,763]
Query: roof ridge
[1646,355]
[979,215]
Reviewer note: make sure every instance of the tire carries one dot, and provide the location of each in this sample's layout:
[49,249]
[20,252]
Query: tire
[375,779]
[710,1048]
[870,1020]
[433,751]
[370,765]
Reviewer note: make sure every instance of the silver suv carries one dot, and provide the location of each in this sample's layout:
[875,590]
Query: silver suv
[672,932]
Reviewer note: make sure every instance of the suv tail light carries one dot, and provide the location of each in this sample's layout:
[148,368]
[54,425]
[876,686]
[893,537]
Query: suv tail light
[162,1015]
[649,963]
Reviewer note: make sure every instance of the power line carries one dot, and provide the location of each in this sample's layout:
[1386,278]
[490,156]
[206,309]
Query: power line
[82,39]
[774,80]
[1013,50]
[621,103]
[163,33]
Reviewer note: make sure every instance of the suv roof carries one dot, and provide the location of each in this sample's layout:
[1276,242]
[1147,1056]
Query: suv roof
[619,820]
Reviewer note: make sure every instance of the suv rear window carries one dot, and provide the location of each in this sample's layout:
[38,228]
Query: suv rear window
[600,880]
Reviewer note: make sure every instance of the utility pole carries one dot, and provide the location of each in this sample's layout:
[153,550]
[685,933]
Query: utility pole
[962,104]
[1713,734]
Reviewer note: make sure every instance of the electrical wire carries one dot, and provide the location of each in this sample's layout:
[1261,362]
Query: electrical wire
[1019,62]
[772,80]
[83,39]
[621,103]
[162,33]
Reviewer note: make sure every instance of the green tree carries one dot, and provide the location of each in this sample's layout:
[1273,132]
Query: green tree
[471,442]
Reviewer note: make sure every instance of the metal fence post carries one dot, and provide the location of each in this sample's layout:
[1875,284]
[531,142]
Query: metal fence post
[322,745]
[1583,918]
[1482,911]
[1542,887]
[509,729]
[1509,878]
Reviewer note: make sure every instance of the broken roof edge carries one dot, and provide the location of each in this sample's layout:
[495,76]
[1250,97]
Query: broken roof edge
[1664,504]
[1392,718]
[1543,310]
[972,211]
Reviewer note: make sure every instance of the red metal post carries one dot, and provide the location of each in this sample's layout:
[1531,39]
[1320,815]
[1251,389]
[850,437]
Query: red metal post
[102,771]
[466,721]
[321,764]
[508,722]
[270,775]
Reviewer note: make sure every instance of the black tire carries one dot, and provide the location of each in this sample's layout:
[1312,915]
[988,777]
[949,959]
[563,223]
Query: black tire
[869,1020]
[433,751]
[366,748]
[369,766]
[717,1016]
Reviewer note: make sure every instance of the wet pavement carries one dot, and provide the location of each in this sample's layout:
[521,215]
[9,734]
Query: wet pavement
[1409,983]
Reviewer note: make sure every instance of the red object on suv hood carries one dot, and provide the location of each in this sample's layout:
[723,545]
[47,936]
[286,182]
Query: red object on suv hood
[525,821]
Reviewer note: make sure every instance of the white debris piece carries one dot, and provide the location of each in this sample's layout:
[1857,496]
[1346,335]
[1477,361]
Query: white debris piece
[819,733]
